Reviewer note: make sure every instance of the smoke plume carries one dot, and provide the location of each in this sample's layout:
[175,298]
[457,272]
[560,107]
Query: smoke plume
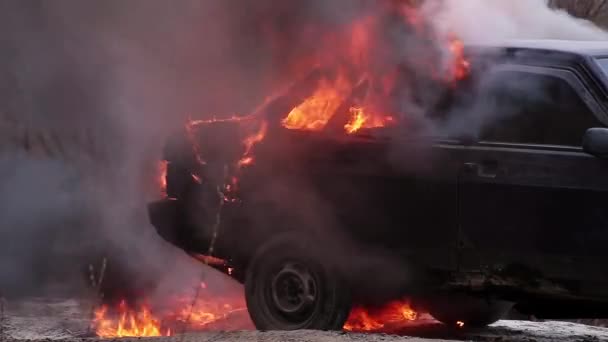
[497,21]
[107,81]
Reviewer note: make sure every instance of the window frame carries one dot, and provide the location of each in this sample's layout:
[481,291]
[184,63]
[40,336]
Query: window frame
[576,84]
[602,61]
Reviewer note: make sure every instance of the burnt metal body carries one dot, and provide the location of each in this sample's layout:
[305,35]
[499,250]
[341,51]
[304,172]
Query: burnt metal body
[517,221]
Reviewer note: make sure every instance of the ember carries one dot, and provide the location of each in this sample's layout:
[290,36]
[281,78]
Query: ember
[207,313]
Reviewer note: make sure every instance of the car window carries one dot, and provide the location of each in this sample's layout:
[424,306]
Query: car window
[530,108]
[604,64]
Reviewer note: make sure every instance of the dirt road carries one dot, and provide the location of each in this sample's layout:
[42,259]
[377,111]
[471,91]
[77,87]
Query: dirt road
[68,320]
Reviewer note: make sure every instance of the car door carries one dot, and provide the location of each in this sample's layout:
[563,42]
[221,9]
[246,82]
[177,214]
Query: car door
[529,196]
[389,193]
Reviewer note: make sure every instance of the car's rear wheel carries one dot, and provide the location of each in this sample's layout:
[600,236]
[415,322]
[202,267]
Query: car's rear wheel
[288,288]
[466,311]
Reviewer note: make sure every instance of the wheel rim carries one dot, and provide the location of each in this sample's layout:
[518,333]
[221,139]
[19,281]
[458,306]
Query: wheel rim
[294,293]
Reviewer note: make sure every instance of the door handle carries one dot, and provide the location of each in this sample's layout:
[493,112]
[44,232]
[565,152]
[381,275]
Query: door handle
[484,170]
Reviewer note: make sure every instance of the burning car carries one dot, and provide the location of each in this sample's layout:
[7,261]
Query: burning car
[386,161]
[511,214]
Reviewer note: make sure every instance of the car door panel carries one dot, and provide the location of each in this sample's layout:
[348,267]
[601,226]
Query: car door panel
[398,195]
[545,210]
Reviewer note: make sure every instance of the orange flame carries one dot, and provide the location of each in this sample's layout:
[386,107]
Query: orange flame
[206,313]
[462,66]
[351,55]
[249,142]
[209,260]
[360,119]
[356,121]
[129,323]
[316,111]
[124,321]
[347,61]
[163,178]
[191,125]
[362,319]
[194,123]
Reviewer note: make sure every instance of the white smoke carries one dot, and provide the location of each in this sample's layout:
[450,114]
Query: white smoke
[491,21]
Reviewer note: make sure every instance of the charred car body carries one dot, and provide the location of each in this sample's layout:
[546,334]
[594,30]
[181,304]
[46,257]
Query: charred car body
[474,222]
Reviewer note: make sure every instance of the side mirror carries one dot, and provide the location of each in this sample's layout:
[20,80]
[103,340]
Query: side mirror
[595,142]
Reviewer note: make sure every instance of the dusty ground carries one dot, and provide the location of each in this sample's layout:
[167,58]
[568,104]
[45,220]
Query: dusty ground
[66,319]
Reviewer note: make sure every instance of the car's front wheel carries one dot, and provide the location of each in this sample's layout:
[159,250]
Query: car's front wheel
[288,288]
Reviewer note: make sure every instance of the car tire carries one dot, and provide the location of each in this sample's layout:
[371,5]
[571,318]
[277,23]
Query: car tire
[468,312]
[288,288]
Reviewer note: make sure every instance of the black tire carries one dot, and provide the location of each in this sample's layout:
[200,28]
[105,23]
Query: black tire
[466,311]
[287,288]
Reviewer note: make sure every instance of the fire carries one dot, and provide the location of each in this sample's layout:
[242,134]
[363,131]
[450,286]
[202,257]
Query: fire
[360,119]
[178,312]
[128,323]
[362,319]
[191,124]
[162,179]
[462,66]
[249,142]
[208,260]
[314,113]
[358,76]
[356,121]
[364,67]
[206,313]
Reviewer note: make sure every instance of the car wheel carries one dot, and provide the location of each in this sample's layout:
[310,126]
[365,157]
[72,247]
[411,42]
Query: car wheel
[465,311]
[287,288]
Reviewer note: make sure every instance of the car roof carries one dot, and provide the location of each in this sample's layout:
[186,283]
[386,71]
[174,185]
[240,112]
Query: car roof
[578,47]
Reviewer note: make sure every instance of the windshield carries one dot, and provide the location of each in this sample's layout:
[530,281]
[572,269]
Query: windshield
[604,64]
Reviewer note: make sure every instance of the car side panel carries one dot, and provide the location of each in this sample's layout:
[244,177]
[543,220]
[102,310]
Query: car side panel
[546,209]
[399,196]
